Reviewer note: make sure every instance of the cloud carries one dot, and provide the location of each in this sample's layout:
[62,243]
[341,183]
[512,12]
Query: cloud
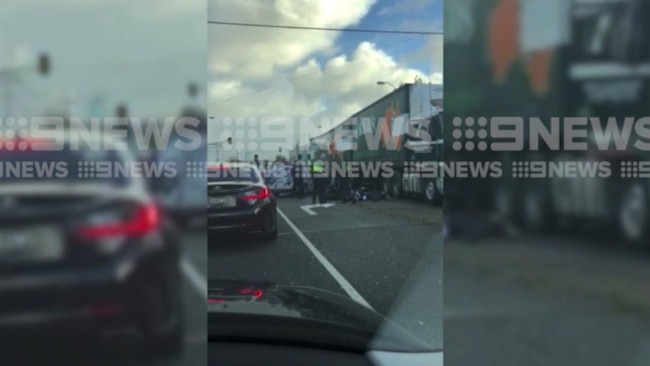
[256,53]
[325,93]
[405,7]
[432,53]
[308,76]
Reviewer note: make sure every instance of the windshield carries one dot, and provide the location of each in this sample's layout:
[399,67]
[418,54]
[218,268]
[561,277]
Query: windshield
[341,237]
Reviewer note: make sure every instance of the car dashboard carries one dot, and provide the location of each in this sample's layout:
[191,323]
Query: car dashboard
[245,354]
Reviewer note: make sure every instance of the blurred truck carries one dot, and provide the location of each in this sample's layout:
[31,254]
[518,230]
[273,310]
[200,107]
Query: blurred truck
[540,59]
[401,133]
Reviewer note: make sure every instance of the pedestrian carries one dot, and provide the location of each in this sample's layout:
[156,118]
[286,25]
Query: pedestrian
[319,179]
[298,181]
[256,160]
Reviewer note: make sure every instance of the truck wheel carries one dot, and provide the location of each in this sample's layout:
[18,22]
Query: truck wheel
[535,208]
[632,213]
[503,203]
[387,187]
[431,193]
[397,186]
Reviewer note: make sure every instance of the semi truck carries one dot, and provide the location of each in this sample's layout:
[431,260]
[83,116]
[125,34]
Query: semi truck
[402,134]
[553,63]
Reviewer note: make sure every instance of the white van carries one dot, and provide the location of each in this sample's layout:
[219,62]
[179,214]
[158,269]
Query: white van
[278,178]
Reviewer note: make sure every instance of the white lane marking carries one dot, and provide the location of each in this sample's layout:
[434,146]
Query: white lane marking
[307,208]
[347,287]
[197,281]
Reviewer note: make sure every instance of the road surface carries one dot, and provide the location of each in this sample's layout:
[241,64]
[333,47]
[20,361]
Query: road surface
[546,300]
[394,264]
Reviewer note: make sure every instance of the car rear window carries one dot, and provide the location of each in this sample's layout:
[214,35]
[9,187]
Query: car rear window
[233,174]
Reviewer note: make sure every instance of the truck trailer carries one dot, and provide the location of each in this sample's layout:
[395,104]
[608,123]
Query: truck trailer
[394,144]
[554,63]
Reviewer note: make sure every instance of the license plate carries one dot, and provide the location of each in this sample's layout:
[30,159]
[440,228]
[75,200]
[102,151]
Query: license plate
[32,244]
[226,201]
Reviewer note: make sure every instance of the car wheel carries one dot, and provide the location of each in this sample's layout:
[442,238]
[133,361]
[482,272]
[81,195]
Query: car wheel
[161,315]
[271,227]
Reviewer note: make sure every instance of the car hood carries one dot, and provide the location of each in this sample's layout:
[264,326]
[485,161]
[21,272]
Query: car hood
[265,300]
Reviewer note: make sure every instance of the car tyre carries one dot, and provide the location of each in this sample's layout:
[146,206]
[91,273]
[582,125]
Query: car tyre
[432,194]
[168,340]
[272,235]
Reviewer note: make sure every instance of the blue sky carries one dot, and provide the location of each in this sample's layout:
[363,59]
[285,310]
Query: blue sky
[409,15]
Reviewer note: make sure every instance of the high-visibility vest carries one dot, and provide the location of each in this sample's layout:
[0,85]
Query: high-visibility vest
[318,167]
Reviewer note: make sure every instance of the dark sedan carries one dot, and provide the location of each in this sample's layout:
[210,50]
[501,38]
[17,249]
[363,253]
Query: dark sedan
[84,251]
[240,201]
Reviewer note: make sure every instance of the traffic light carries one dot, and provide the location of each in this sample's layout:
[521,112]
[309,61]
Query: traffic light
[44,64]
[122,111]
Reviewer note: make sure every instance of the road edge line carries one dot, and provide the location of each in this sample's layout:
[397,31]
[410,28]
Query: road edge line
[338,277]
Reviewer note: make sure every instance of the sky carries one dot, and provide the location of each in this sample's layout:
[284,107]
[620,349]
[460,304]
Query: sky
[259,73]
[104,52]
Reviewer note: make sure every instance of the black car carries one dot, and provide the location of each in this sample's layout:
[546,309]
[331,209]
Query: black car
[84,249]
[240,201]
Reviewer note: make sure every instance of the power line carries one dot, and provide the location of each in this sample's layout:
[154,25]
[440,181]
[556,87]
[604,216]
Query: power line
[257,25]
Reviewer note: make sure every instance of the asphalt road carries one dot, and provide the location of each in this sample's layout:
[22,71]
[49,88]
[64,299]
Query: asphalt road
[393,264]
[546,300]
[121,351]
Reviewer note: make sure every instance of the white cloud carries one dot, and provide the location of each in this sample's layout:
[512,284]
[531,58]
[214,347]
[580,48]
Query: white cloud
[258,72]
[405,6]
[432,52]
[256,53]
[331,91]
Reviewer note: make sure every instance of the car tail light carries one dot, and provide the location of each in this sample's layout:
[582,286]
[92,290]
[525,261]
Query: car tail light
[256,293]
[145,220]
[259,195]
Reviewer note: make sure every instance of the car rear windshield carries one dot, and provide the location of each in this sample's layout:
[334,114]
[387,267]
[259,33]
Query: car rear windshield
[234,174]
[65,164]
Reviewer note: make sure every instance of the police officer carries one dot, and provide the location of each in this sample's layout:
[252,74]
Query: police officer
[319,179]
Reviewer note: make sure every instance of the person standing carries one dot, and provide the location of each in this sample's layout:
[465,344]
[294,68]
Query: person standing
[298,181]
[256,160]
[319,179]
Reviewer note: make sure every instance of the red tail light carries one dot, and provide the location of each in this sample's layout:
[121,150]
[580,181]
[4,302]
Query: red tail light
[262,194]
[146,220]
[257,293]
